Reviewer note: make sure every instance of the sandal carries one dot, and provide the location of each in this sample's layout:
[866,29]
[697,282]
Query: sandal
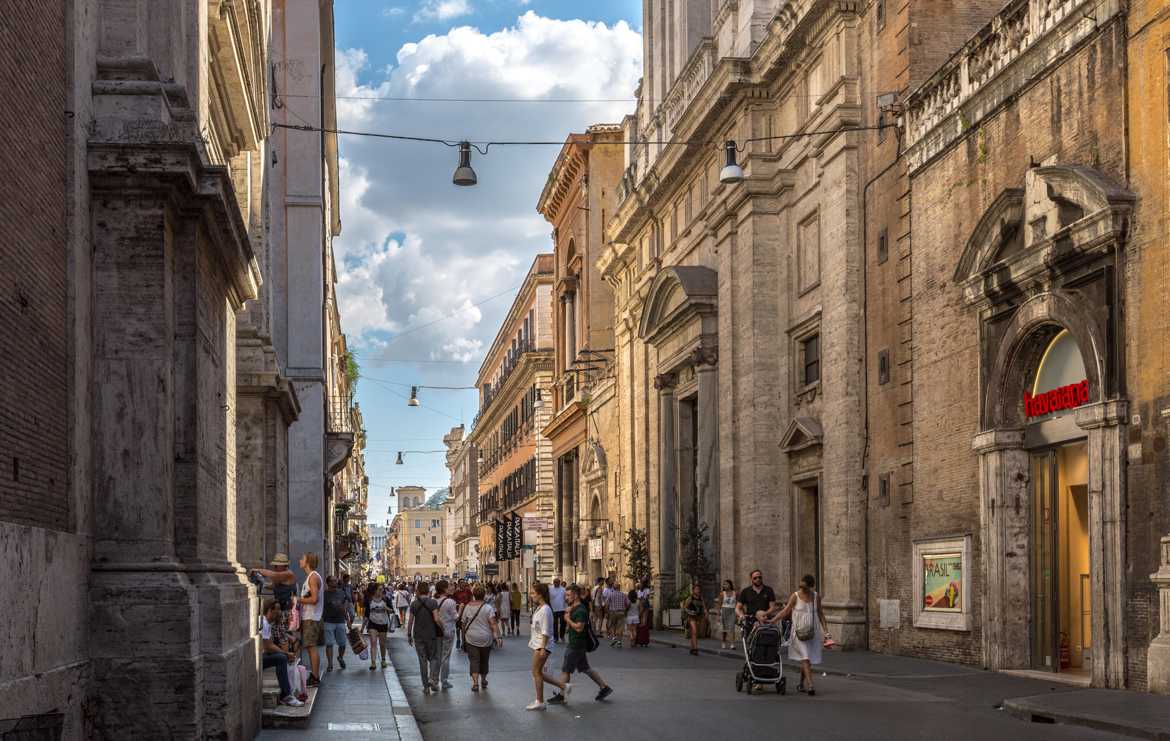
[475,688]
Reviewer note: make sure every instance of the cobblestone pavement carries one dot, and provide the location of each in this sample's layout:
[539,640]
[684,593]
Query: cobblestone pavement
[665,693]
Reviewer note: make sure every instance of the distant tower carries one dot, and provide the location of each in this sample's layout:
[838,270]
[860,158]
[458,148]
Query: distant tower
[410,497]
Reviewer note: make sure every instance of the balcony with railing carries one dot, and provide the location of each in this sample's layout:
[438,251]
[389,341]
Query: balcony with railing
[339,432]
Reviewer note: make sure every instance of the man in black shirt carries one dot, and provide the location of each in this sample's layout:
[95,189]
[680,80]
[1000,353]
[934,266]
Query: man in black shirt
[755,598]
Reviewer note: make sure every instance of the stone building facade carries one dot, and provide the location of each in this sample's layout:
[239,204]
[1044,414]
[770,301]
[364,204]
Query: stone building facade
[1148,55]
[303,220]
[141,237]
[581,192]
[514,466]
[739,345]
[1020,542]
[462,462]
[421,530]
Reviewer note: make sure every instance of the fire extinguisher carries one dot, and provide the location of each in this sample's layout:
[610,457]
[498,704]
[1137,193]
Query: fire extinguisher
[1065,653]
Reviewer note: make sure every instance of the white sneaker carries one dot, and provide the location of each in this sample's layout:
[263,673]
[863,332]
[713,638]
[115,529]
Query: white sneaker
[535,705]
[568,688]
[292,702]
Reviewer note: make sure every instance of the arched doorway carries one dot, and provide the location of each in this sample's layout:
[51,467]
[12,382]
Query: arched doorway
[1061,609]
[1038,271]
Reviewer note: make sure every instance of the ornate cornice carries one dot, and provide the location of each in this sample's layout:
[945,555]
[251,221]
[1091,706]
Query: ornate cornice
[1020,45]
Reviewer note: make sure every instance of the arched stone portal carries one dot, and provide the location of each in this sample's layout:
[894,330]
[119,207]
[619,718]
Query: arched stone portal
[1041,263]
[680,321]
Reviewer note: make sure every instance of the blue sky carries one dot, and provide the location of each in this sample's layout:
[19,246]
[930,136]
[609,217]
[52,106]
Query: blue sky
[427,270]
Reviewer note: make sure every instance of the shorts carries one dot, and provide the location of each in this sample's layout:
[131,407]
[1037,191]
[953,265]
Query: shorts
[378,627]
[311,632]
[335,635]
[617,621]
[576,660]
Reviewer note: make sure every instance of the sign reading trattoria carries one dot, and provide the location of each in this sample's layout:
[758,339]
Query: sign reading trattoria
[1064,397]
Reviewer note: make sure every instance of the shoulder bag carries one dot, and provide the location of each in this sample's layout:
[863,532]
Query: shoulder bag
[466,625]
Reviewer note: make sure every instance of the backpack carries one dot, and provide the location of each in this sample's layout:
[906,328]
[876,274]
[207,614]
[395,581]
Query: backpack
[419,608]
[805,624]
[591,640]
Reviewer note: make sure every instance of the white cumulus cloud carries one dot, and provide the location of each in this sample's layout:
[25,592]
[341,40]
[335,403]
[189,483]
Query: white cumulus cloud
[442,10]
[418,256]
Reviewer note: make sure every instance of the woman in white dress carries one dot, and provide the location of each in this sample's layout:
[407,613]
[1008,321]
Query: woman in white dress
[809,630]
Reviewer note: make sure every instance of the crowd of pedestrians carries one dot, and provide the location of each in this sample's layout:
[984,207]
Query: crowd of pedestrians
[442,618]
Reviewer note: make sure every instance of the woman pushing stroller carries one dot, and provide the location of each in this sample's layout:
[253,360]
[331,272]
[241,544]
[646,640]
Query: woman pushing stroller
[809,629]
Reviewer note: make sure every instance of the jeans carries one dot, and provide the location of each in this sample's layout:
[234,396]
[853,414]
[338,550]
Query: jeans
[428,660]
[515,621]
[559,626]
[280,662]
[445,645]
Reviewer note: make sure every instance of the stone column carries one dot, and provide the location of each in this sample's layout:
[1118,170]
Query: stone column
[707,483]
[1004,515]
[1105,423]
[667,489]
[1158,655]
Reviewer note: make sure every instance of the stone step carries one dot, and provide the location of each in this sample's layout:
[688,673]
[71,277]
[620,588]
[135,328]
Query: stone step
[275,715]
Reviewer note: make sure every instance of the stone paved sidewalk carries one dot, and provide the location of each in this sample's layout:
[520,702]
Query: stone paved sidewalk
[358,705]
[1135,714]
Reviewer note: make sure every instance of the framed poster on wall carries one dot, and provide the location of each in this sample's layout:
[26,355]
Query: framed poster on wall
[942,583]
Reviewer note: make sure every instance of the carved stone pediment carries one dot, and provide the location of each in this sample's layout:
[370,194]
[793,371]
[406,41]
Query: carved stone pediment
[678,294]
[802,433]
[1065,216]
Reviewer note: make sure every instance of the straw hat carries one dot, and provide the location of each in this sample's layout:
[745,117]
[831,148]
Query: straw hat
[279,559]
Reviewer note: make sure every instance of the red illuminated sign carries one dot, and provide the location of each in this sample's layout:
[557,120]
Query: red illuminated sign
[1065,397]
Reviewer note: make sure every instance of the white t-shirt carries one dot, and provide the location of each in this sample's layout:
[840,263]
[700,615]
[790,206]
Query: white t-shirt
[542,620]
[479,631]
[632,616]
[402,598]
[448,613]
[265,628]
[556,599]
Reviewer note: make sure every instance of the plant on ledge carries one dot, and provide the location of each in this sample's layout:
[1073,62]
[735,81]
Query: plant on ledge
[637,549]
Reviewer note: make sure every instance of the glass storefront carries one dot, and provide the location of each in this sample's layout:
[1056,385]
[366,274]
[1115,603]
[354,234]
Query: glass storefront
[1061,598]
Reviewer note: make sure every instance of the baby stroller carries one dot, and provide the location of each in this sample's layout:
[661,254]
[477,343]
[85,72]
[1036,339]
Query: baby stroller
[761,652]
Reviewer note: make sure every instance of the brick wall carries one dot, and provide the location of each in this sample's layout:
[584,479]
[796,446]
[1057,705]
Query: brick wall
[34,352]
[1055,118]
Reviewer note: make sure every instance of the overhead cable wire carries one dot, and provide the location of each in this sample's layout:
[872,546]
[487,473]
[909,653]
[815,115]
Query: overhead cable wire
[521,99]
[483,145]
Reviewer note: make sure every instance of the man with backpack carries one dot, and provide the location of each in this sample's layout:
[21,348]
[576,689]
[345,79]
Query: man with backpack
[424,629]
[581,640]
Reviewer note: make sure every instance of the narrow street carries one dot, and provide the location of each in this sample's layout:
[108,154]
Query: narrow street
[663,692]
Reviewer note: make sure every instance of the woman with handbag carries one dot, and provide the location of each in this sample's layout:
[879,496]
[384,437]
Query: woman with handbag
[377,623]
[481,631]
[809,630]
[694,609]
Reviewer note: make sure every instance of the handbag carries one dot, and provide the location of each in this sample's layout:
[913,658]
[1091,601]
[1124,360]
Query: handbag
[465,625]
[806,623]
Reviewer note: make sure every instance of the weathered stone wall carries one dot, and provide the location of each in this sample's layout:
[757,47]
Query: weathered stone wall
[899,49]
[44,368]
[1065,117]
[34,302]
[1147,355]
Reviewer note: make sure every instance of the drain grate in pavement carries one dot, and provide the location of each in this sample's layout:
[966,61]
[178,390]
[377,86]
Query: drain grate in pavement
[354,727]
